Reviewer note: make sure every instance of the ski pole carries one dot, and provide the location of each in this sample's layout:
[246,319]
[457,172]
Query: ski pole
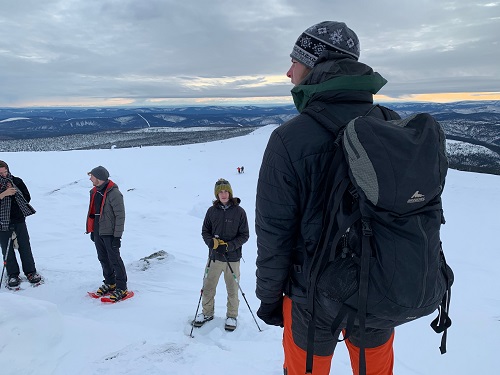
[241,290]
[5,259]
[201,294]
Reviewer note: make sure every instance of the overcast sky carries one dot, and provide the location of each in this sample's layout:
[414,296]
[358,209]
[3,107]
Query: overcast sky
[153,52]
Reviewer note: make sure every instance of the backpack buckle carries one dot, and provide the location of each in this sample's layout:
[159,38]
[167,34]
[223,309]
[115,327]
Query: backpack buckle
[338,140]
[366,228]
[297,268]
[353,191]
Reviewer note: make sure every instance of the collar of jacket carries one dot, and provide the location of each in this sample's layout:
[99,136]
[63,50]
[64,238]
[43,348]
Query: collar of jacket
[372,83]
[107,186]
[234,201]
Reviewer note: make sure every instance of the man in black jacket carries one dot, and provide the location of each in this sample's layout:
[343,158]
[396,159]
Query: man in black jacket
[224,231]
[14,207]
[328,79]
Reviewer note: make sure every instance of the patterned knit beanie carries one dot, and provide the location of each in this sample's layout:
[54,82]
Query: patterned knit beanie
[100,173]
[220,185]
[327,35]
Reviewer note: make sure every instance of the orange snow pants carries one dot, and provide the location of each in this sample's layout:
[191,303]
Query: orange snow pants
[379,359]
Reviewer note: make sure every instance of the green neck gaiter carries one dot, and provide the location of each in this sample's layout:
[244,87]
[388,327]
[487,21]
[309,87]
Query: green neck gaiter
[302,94]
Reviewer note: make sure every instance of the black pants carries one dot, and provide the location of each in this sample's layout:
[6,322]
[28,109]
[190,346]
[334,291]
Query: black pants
[325,342]
[23,239]
[112,265]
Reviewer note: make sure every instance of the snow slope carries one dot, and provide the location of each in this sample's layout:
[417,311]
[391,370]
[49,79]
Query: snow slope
[56,329]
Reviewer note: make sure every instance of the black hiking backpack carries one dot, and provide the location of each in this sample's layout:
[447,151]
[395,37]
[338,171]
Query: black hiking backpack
[379,262]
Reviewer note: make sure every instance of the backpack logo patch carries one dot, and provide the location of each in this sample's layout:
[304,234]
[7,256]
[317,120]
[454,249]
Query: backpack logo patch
[416,197]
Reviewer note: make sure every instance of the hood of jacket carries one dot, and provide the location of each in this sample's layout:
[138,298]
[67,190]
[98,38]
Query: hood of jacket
[232,201]
[336,72]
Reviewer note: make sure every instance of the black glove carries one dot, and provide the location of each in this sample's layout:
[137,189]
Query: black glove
[116,243]
[92,236]
[222,249]
[271,313]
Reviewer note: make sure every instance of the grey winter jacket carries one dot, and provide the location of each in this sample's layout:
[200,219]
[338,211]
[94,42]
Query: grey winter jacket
[292,179]
[112,212]
[230,224]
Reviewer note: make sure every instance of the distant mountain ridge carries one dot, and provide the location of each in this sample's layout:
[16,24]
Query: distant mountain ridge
[28,123]
[475,125]
[51,122]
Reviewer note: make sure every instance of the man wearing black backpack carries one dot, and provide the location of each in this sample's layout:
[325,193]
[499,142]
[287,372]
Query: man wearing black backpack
[329,81]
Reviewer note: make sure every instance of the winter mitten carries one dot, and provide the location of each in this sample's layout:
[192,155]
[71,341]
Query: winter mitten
[271,313]
[116,243]
[215,244]
[92,236]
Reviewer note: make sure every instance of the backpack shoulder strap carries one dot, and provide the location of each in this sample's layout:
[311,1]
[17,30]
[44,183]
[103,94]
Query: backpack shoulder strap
[320,113]
[337,185]
[388,114]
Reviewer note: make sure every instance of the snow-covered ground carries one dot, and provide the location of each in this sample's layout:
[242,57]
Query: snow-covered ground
[56,329]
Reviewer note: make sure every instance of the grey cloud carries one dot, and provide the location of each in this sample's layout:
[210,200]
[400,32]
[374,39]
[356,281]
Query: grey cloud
[153,48]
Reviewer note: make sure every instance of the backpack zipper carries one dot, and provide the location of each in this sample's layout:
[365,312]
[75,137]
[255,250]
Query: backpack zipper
[426,260]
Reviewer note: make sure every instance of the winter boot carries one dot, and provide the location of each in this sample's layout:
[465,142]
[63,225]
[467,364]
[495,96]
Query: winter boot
[201,319]
[230,324]
[34,278]
[105,289]
[14,281]
[118,295]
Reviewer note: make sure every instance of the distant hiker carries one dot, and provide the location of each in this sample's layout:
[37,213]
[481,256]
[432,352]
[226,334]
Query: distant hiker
[224,230]
[105,223]
[14,207]
[242,169]
[291,194]
[239,169]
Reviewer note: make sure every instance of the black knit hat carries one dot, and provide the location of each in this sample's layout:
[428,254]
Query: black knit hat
[326,35]
[100,173]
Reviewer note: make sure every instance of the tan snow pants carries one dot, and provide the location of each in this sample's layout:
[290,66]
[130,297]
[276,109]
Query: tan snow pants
[210,286]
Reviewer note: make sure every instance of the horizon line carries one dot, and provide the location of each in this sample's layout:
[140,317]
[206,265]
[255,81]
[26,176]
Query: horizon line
[438,98]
